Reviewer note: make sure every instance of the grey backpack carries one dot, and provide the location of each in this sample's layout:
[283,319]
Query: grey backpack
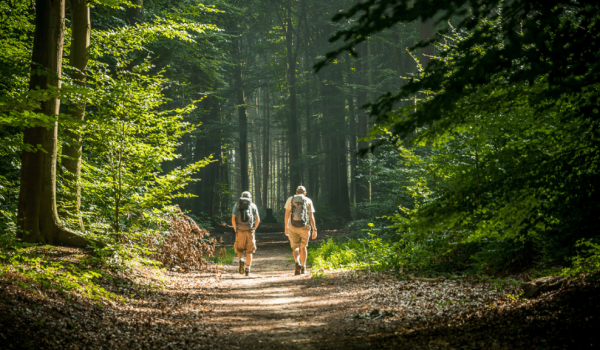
[299,211]
[244,219]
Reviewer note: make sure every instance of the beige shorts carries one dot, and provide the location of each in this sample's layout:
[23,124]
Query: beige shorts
[245,242]
[299,236]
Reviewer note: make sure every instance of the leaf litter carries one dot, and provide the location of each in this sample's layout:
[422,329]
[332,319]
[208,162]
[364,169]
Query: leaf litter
[351,310]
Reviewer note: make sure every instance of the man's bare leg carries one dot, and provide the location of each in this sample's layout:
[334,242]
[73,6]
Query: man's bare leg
[248,259]
[303,255]
[296,253]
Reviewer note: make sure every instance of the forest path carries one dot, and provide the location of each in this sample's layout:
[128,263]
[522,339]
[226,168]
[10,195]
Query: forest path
[272,308]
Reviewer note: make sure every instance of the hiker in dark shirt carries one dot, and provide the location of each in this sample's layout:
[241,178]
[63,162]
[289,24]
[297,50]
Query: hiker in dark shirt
[245,220]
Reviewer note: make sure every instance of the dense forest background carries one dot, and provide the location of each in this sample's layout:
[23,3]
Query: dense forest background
[448,135]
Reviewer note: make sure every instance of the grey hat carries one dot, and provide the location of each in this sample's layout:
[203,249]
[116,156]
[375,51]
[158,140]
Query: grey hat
[246,194]
[301,189]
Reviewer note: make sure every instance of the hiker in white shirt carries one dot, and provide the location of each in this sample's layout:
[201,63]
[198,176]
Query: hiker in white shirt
[299,219]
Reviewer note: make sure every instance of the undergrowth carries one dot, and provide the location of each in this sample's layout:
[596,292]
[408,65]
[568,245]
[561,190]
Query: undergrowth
[37,269]
[84,273]
[441,255]
[223,256]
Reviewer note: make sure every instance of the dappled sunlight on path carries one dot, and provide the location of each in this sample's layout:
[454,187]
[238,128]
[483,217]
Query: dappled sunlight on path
[272,306]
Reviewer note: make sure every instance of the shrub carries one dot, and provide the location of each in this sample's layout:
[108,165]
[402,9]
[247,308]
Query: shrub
[184,245]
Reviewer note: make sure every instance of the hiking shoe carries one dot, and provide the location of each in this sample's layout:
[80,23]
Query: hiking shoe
[298,268]
[241,266]
[247,272]
[303,270]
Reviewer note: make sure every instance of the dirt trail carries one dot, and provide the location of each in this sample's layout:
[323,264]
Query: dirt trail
[272,308]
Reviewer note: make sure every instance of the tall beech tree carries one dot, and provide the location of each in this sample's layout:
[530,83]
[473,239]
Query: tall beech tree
[37,217]
[80,46]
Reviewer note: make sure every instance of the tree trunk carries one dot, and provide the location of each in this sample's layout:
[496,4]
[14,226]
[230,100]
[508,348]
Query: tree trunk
[352,138]
[293,135]
[279,173]
[286,172]
[266,145]
[242,115]
[134,15]
[80,45]
[340,181]
[206,145]
[362,189]
[255,169]
[37,217]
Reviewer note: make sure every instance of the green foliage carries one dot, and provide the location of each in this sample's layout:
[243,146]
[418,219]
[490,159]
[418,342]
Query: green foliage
[8,208]
[34,270]
[224,256]
[372,253]
[131,129]
[587,262]
[509,128]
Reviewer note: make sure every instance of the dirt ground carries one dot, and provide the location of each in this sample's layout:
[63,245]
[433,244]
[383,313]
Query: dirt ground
[273,309]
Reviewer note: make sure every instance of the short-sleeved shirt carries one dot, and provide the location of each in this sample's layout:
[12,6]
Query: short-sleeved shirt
[253,207]
[309,204]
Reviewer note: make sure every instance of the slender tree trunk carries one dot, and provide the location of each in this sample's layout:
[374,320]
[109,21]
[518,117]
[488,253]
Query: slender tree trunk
[340,181]
[352,144]
[205,146]
[242,115]
[286,171]
[255,167]
[293,135]
[311,147]
[72,151]
[362,190]
[279,173]
[259,152]
[352,136]
[37,216]
[266,146]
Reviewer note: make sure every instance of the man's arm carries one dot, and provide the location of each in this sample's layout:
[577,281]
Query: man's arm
[257,219]
[286,222]
[311,216]
[233,223]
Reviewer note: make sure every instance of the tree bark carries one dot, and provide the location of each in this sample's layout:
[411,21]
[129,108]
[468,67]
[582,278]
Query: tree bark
[340,144]
[242,114]
[295,167]
[352,144]
[279,174]
[72,150]
[207,145]
[266,146]
[37,216]
[256,169]
[352,135]
[134,15]
[286,171]
[362,189]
